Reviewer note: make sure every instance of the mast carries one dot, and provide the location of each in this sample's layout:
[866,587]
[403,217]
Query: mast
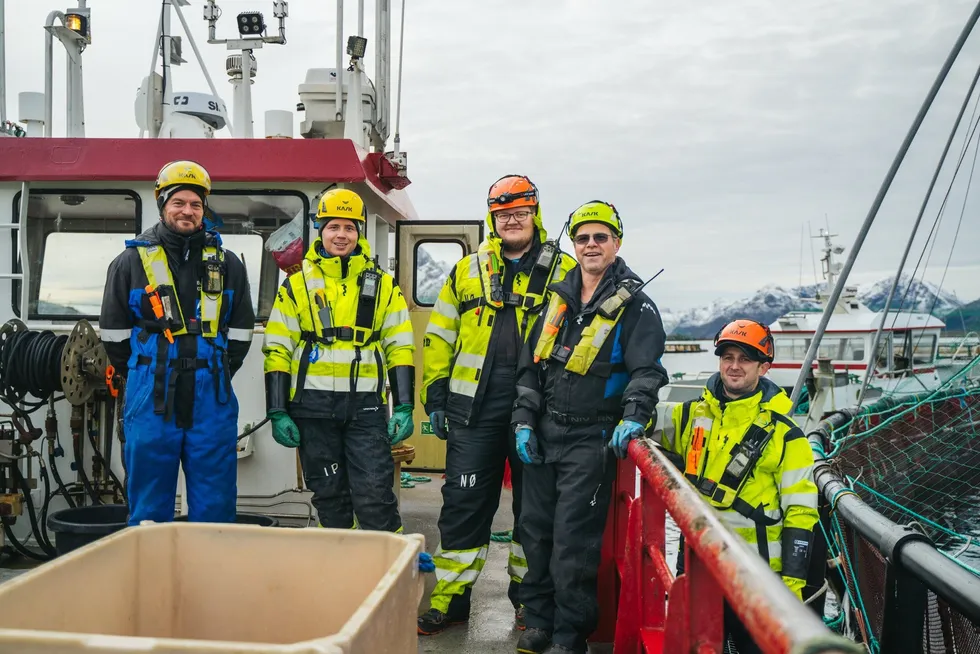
[879,198]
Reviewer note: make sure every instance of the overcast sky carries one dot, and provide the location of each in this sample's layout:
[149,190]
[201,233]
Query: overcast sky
[721,130]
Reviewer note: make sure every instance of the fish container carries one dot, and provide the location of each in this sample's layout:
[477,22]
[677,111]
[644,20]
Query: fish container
[220,588]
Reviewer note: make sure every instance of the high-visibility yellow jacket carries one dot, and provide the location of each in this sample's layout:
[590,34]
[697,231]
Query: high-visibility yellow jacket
[773,506]
[461,333]
[340,367]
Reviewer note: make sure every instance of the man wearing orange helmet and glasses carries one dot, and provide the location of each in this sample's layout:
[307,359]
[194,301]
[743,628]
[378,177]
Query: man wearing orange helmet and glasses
[484,312]
[742,451]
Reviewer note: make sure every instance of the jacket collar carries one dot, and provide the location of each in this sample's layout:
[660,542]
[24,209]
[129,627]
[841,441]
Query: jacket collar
[339,267]
[766,396]
[570,288]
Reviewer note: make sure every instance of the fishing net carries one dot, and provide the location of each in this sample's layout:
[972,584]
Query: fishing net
[916,460]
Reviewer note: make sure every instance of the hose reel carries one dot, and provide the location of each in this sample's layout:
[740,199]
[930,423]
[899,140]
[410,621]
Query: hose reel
[41,363]
[85,365]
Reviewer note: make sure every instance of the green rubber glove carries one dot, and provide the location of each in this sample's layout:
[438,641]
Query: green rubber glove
[401,424]
[284,430]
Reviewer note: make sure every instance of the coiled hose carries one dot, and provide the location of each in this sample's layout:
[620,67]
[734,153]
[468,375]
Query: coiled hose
[30,362]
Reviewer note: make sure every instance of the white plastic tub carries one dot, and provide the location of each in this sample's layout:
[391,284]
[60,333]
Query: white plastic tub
[195,587]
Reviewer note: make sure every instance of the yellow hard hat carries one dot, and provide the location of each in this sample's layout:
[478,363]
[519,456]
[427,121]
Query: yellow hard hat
[596,211]
[340,203]
[182,173]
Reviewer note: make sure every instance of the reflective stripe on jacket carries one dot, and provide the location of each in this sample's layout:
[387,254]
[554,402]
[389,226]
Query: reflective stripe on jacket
[356,359]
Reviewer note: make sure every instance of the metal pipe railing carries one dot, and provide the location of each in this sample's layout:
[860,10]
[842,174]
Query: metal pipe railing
[718,566]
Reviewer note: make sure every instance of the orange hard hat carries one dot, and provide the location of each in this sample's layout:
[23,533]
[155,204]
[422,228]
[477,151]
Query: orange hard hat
[512,191]
[751,337]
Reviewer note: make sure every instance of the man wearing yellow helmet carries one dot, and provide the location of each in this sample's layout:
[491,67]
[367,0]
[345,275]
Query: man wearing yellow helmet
[177,322]
[588,383]
[336,326]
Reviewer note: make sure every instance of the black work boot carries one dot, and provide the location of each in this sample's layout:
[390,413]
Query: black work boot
[433,621]
[533,641]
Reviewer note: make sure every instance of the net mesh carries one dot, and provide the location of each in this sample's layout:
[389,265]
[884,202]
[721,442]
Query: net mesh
[916,459]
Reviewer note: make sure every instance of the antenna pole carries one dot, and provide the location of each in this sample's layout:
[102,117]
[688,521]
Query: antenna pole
[915,228]
[879,198]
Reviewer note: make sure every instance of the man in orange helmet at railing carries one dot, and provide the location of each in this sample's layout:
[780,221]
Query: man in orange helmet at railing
[743,452]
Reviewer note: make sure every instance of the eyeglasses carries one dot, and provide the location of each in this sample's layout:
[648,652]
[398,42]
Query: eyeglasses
[517,216]
[583,239]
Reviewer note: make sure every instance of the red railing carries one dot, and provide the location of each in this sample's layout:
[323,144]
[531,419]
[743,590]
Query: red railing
[646,610]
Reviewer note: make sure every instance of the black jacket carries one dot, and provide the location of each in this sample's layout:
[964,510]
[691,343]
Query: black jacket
[633,350]
[125,275]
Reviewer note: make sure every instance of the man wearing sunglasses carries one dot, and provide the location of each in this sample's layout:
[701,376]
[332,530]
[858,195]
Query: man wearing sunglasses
[741,449]
[588,383]
[485,309]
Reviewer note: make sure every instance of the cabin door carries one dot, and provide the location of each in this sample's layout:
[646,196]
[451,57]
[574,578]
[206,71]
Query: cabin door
[425,251]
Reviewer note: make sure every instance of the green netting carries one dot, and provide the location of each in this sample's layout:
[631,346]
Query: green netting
[916,460]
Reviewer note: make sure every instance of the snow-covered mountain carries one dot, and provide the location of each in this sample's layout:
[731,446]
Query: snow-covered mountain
[772,301]
[923,297]
[430,276]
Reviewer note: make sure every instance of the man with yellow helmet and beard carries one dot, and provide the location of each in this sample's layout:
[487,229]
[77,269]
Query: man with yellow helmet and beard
[487,306]
[336,327]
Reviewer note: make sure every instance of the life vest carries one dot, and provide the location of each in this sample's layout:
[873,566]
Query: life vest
[360,335]
[205,323]
[580,358]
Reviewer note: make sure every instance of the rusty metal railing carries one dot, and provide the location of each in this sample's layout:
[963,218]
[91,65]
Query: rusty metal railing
[645,609]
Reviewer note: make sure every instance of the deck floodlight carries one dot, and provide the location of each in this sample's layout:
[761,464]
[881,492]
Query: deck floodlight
[78,23]
[356,46]
[250,22]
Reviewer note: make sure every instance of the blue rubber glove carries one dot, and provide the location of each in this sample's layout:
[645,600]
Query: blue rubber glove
[626,431]
[426,564]
[438,421]
[401,424]
[284,430]
[527,445]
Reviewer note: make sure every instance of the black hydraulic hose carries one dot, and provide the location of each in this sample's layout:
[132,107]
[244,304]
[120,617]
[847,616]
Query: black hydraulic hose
[57,478]
[20,547]
[30,362]
[105,464]
[80,469]
[39,535]
[251,430]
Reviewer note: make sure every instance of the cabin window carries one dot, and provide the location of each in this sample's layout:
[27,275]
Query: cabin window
[922,346]
[433,261]
[247,219]
[72,237]
[791,349]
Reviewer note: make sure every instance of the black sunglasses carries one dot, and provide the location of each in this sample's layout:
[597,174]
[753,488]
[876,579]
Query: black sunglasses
[583,239]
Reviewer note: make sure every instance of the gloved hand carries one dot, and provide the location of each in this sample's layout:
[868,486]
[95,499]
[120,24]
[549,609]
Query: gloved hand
[401,424]
[426,564]
[284,430]
[625,431]
[527,445]
[438,421]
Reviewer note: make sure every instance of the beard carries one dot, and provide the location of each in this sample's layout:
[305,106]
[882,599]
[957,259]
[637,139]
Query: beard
[516,243]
